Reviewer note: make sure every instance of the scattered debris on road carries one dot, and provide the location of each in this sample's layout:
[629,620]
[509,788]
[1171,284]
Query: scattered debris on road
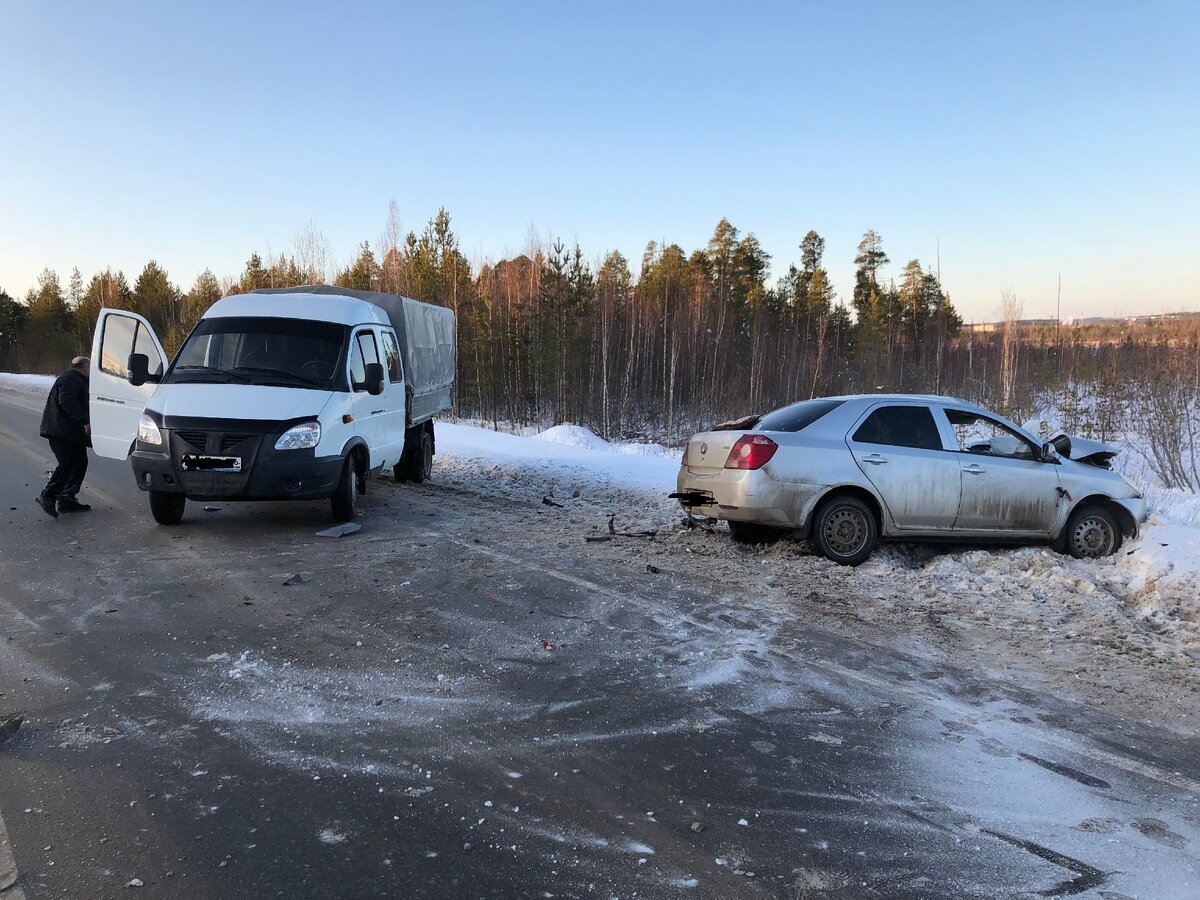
[338,531]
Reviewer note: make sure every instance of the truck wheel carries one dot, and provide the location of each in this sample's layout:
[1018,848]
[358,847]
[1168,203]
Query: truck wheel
[345,495]
[422,464]
[167,508]
[1092,532]
[845,531]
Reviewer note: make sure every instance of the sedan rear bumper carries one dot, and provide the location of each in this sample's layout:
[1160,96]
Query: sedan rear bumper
[741,495]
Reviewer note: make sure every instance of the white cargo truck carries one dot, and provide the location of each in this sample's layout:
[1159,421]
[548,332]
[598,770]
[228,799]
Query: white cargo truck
[286,394]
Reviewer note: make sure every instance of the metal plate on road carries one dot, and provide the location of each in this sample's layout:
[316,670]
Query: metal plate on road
[195,463]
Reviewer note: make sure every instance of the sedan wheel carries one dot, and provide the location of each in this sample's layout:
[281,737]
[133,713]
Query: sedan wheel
[845,531]
[1092,533]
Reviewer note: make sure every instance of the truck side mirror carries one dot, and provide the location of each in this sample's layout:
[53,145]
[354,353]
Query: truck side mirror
[139,369]
[374,380]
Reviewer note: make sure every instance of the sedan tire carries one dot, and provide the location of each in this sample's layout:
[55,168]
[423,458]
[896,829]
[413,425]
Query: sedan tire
[1092,532]
[845,530]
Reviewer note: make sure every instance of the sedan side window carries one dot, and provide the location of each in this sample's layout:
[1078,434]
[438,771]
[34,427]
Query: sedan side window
[900,426]
[979,434]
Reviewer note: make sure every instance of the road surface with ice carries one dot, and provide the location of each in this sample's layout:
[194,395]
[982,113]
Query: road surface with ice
[467,699]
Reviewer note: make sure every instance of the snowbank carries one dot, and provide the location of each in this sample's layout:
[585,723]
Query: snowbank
[567,463]
[28,387]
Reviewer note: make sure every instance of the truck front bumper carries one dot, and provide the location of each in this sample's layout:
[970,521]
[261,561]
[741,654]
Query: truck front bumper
[269,475]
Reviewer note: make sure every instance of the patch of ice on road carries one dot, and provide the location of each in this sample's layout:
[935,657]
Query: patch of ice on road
[216,657]
[329,836]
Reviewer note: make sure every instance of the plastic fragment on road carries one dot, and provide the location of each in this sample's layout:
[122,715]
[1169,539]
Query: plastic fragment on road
[338,531]
[547,646]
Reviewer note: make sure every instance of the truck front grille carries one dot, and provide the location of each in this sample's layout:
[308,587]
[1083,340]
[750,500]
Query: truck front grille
[197,439]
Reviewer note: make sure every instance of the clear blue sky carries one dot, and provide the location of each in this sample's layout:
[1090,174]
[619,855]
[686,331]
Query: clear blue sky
[1028,138]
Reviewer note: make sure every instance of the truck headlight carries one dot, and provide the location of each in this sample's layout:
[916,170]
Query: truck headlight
[148,432]
[300,437]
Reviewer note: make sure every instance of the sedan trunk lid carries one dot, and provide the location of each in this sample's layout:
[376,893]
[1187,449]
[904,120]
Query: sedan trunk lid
[708,451]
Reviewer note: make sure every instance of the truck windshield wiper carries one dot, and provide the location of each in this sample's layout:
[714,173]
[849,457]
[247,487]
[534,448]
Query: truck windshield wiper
[209,370]
[281,373]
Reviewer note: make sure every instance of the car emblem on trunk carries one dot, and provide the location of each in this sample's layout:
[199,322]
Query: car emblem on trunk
[704,446]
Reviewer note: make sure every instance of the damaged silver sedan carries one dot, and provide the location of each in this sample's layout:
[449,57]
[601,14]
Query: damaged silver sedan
[847,472]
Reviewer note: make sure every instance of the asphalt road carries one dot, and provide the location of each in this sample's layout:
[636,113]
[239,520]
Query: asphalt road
[466,700]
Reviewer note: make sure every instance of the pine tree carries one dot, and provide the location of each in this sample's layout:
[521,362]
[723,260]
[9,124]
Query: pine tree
[158,301]
[364,274]
[254,276]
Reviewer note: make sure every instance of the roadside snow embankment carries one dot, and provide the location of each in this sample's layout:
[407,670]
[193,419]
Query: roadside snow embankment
[32,388]
[563,463]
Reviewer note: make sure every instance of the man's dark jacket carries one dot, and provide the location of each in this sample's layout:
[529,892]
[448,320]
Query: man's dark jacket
[67,409]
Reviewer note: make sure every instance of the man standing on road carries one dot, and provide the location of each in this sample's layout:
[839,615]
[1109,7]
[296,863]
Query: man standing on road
[67,426]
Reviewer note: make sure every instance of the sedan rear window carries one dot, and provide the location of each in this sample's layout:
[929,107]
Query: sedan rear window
[798,416]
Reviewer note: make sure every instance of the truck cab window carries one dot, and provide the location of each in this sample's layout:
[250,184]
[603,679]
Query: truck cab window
[362,354]
[143,344]
[391,353]
[116,344]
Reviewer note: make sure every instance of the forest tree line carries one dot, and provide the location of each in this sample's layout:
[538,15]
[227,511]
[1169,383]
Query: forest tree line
[655,347]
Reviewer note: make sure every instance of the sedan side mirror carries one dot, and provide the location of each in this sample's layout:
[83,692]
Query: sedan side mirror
[374,381]
[139,369]
[1049,453]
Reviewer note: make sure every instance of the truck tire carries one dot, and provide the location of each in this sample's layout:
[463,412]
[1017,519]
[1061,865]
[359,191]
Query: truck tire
[845,530]
[344,500]
[167,508]
[422,465]
[416,465]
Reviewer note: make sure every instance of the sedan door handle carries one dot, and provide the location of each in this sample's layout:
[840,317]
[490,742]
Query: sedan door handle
[974,469]
[874,459]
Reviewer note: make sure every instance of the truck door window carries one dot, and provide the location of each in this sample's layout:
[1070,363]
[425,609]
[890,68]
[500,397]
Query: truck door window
[362,354]
[116,344]
[391,353]
[143,344]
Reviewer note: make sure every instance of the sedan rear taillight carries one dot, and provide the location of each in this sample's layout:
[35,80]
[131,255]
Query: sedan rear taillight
[752,451]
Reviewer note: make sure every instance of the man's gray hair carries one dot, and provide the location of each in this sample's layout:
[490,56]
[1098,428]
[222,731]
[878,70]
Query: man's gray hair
[80,362]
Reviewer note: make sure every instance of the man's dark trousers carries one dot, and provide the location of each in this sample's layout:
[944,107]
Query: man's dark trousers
[67,479]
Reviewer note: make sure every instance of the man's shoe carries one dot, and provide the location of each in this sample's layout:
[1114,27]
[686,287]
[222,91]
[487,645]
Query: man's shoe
[72,505]
[47,506]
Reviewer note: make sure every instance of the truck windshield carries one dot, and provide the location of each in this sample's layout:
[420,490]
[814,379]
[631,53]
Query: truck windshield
[266,351]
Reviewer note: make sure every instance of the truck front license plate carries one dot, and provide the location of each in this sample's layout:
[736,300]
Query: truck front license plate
[193,463]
